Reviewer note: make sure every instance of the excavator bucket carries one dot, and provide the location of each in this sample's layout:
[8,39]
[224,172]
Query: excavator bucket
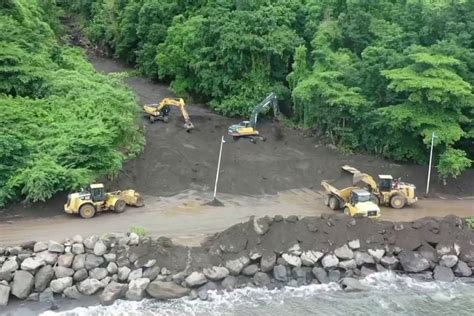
[132,197]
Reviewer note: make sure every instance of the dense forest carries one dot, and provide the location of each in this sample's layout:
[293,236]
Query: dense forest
[373,75]
[62,124]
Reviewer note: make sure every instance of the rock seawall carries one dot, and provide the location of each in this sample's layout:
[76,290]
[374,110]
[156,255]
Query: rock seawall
[264,252]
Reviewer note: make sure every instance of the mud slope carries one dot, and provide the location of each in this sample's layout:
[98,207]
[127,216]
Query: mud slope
[174,160]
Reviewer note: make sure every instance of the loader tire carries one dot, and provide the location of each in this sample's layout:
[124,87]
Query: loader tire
[333,203]
[120,206]
[326,199]
[346,211]
[151,118]
[87,211]
[397,201]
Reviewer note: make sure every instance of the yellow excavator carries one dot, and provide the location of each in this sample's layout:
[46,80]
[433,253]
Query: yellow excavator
[161,111]
[94,199]
[248,129]
[387,191]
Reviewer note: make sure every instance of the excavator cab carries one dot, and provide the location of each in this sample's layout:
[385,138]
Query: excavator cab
[97,192]
[385,183]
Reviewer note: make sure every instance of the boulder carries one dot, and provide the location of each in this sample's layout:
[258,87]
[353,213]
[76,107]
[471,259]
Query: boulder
[462,269]
[261,225]
[62,272]
[123,273]
[80,275]
[77,249]
[255,254]
[14,251]
[377,254]
[100,248]
[4,295]
[354,244]
[79,262]
[365,271]
[428,252]
[134,239]
[166,290]
[66,260]
[235,266]
[229,282]
[135,274]
[151,273]
[72,292]
[89,286]
[330,261]
[47,296]
[280,273]
[348,264]
[443,274]
[195,279]
[179,277]
[105,281]
[93,261]
[448,261]
[90,241]
[302,275]
[40,246]
[261,279]
[6,276]
[165,271]
[216,273]
[321,275]
[294,250]
[136,289]
[389,262]
[42,278]
[110,257]
[443,248]
[292,260]
[112,268]
[351,284]
[98,273]
[33,297]
[23,283]
[344,252]
[54,246]
[59,285]
[112,292]
[267,262]
[413,262]
[31,264]
[9,266]
[334,275]
[310,257]
[250,270]
[77,239]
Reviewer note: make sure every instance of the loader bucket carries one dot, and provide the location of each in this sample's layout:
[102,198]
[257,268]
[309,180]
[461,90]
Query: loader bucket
[131,197]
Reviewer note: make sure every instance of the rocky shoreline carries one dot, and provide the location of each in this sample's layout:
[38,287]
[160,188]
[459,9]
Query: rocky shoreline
[265,252]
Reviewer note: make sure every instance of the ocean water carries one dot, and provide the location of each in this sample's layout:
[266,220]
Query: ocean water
[388,294]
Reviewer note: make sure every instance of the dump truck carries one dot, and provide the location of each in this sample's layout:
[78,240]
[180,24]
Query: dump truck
[94,199]
[353,200]
[387,191]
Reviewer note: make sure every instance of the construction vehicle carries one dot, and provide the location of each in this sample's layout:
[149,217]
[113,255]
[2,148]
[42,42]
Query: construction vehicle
[470,222]
[248,129]
[162,110]
[353,200]
[94,199]
[387,191]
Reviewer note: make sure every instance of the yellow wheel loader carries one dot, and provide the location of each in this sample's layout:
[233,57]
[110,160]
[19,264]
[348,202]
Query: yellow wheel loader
[94,199]
[354,201]
[161,111]
[387,191]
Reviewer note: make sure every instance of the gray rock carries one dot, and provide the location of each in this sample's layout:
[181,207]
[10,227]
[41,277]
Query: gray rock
[445,249]
[179,277]
[55,247]
[250,270]
[123,241]
[90,241]
[48,257]
[134,239]
[216,273]
[79,262]
[429,253]
[389,262]
[151,273]
[413,262]
[292,260]
[89,286]
[261,225]
[310,257]
[66,260]
[93,261]
[62,272]
[140,263]
[334,275]
[280,273]
[14,251]
[267,262]
[28,245]
[261,279]
[46,296]
[33,297]
[255,254]
[112,292]
[31,264]
[443,274]
[348,264]
[6,276]
[42,278]
[354,244]
[196,279]
[330,261]
[136,289]
[98,273]
[100,248]
[165,271]
[2,250]
[77,239]
[135,274]
[344,253]
[24,255]
[123,273]
[380,268]
[235,266]
[4,295]
[2,259]
[365,271]
[302,275]
[72,292]
[351,284]
[80,275]
[462,269]
[77,249]
[112,268]
[377,254]
[40,246]
[166,290]
[9,266]
[448,261]
[294,250]
[59,285]
[321,275]
[229,282]
[110,257]
[23,283]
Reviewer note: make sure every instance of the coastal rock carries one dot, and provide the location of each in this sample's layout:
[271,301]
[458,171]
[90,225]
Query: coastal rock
[151,273]
[6,276]
[66,260]
[89,286]
[229,282]
[334,275]
[429,253]
[166,290]
[216,273]
[443,274]
[448,261]
[112,268]
[261,225]
[179,277]
[47,256]
[80,275]
[134,239]
[310,257]
[4,295]
[280,273]
[135,274]
[77,239]
[377,254]
[250,270]
[344,253]
[413,262]
[79,262]
[34,297]
[136,289]
[292,260]
[47,296]
[351,284]
[54,246]
[443,248]
[42,278]
[195,279]
[354,244]
[235,266]
[110,257]
[261,279]
[123,273]
[267,262]
[255,254]
[31,264]
[462,269]
[112,292]
[321,275]
[365,271]
[62,272]
[348,264]
[98,273]
[9,266]
[93,261]
[294,250]
[100,248]
[40,246]
[90,241]
[59,285]
[72,292]
[330,261]
[302,275]
[389,262]
[23,283]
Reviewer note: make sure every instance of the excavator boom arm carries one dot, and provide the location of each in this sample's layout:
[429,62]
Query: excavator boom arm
[178,102]
[270,101]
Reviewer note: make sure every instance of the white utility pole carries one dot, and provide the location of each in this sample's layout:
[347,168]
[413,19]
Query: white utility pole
[218,168]
[429,167]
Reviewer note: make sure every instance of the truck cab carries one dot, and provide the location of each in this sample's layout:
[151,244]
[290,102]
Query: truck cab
[361,205]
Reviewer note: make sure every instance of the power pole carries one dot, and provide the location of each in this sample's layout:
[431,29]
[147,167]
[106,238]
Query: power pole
[429,167]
